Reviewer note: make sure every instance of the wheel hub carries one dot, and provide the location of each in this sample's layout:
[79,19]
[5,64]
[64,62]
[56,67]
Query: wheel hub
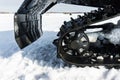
[76,44]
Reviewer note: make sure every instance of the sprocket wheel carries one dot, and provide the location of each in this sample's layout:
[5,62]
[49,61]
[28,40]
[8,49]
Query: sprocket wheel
[75,43]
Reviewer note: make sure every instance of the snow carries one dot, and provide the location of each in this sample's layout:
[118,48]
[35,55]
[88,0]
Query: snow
[54,21]
[38,61]
[70,8]
[114,36]
[6,22]
[10,5]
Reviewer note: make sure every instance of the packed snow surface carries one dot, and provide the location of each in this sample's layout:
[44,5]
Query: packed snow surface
[38,61]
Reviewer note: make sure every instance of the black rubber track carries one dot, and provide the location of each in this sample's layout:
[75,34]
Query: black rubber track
[77,27]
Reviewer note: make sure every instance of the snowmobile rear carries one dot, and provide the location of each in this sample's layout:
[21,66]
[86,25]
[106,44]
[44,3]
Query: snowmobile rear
[73,43]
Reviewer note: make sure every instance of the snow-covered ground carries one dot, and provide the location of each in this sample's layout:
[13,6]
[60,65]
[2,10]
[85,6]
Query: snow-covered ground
[38,61]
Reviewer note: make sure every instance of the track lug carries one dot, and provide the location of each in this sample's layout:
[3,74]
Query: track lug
[55,42]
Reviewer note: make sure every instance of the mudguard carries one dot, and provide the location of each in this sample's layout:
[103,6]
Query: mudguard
[28,21]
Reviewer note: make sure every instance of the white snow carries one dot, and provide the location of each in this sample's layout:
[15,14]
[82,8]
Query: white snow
[38,61]
[55,20]
[6,22]
[70,8]
[114,36]
[10,5]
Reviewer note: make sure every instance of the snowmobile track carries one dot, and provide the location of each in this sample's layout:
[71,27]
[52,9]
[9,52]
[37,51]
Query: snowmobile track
[77,50]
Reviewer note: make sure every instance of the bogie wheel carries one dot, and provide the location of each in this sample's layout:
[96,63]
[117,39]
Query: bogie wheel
[75,43]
